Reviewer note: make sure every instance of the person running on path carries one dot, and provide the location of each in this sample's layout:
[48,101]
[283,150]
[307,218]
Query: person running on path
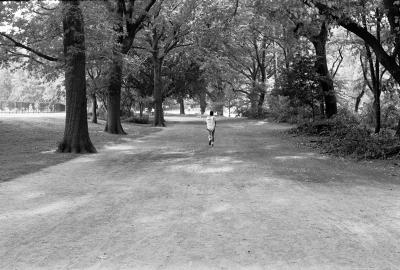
[211,124]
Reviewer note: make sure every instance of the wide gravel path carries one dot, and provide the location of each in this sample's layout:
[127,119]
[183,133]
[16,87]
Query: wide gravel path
[169,201]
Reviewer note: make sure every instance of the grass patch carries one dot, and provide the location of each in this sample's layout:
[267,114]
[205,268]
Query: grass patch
[28,144]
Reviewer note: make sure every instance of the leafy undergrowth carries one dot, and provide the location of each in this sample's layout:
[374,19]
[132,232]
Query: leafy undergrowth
[145,119]
[28,144]
[343,136]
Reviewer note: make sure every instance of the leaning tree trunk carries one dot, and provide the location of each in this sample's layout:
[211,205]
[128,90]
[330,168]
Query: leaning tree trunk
[321,66]
[94,108]
[181,106]
[113,124]
[76,135]
[157,93]
[358,99]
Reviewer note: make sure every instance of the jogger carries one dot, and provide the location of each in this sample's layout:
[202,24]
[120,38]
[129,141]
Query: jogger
[211,123]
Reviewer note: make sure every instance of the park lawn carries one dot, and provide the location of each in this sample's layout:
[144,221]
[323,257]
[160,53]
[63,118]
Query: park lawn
[28,144]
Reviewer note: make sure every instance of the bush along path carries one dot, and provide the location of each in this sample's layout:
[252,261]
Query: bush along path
[344,136]
[170,201]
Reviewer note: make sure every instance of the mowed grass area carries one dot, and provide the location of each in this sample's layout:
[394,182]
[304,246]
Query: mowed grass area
[28,142]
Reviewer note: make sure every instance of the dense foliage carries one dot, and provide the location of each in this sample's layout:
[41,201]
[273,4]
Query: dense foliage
[295,60]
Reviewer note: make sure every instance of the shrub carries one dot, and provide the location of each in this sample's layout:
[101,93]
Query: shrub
[139,120]
[343,135]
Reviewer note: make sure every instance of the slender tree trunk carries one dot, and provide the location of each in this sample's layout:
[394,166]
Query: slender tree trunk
[358,100]
[113,124]
[181,106]
[398,129]
[141,107]
[261,100]
[377,101]
[377,110]
[157,93]
[321,66]
[218,105]
[322,107]
[94,108]
[253,101]
[76,135]
[203,103]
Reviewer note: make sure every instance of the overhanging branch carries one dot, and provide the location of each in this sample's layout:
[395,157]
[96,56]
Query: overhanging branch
[20,45]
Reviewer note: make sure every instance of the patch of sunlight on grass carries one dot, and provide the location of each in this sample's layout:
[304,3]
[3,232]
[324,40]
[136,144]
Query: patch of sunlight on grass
[223,264]
[156,218]
[29,195]
[216,209]
[362,230]
[273,146]
[83,160]
[218,170]
[53,151]
[196,168]
[279,201]
[52,208]
[119,147]
[269,180]
[223,159]
[178,153]
[237,126]
[290,157]
[302,156]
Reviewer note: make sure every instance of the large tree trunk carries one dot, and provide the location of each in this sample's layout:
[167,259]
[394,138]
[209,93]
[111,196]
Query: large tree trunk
[321,66]
[113,124]
[157,93]
[76,135]
[94,108]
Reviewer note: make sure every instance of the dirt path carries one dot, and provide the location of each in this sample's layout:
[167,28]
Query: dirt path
[169,201]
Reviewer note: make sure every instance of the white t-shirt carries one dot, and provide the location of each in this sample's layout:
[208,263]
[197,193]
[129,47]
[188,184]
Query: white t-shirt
[210,120]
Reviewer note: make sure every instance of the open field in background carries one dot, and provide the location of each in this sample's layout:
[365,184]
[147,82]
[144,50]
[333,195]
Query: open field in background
[28,141]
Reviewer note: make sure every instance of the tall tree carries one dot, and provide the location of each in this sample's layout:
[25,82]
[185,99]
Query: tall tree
[166,32]
[127,23]
[346,16]
[76,136]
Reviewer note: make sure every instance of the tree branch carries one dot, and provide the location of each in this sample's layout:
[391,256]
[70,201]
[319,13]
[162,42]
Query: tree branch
[348,23]
[20,45]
